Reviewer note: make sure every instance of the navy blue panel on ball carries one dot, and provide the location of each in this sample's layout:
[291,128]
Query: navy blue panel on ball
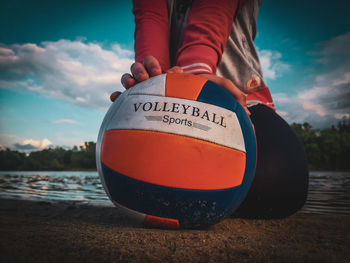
[214,94]
[251,149]
[191,207]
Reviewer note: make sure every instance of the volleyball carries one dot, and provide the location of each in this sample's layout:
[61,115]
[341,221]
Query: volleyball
[176,150]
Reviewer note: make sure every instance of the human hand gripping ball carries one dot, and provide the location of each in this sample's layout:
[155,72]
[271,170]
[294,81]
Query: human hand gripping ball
[141,72]
[151,68]
[230,87]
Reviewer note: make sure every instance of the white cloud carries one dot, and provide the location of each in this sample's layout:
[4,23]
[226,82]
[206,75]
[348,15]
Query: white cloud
[327,99]
[334,55]
[21,144]
[82,73]
[340,116]
[344,80]
[320,106]
[334,51]
[282,113]
[65,121]
[39,144]
[271,64]
[29,145]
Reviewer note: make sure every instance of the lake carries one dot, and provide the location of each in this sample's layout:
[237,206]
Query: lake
[329,192]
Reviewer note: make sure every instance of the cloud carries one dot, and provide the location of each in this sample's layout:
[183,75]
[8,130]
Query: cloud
[26,145]
[35,144]
[345,80]
[65,121]
[334,51]
[82,73]
[17,143]
[327,100]
[271,63]
[321,106]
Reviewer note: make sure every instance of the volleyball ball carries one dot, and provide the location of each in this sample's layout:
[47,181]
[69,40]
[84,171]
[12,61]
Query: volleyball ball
[176,150]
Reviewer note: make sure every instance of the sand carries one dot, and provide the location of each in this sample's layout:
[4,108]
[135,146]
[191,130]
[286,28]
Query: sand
[71,232]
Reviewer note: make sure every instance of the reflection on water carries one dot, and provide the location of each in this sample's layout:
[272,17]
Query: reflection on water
[54,186]
[329,192]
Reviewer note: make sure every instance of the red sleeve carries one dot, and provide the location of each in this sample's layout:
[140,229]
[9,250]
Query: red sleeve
[151,30]
[208,28]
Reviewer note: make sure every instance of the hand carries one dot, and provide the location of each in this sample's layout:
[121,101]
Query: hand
[141,72]
[230,87]
[151,67]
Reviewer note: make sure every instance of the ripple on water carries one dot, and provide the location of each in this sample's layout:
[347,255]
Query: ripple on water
[329,192]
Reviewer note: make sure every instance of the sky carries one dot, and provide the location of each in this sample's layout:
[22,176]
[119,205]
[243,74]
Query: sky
[60,60]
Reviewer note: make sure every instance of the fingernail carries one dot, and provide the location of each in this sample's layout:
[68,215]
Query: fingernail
[115,95]
[123,79]
[154,70]
[139,75]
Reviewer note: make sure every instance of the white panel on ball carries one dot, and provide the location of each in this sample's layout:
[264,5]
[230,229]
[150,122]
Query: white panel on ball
[179,116]
[152,86]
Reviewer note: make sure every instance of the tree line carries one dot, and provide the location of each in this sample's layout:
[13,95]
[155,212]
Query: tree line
[52,159]
[326,149]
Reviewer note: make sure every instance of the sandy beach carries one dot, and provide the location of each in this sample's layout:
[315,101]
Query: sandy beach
[71,232]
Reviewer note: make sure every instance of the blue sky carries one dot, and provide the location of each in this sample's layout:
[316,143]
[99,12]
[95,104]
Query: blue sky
[60,60]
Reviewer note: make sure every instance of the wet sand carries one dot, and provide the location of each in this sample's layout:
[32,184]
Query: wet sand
[71,232]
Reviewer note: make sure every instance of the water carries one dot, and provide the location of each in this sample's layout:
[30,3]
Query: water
[78,186]
[329,192]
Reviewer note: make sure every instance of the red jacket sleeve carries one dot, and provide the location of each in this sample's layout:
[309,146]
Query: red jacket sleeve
[208,28]
[151,30]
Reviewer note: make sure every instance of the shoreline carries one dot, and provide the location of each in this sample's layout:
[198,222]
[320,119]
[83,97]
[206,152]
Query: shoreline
[40,231]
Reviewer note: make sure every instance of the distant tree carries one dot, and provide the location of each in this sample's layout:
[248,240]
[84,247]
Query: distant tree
[55,159]
[11,160]
[326,149]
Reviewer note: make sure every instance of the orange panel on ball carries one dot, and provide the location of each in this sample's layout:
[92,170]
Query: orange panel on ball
[183,86]
[172,160]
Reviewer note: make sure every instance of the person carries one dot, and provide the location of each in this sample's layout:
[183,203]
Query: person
[216,40]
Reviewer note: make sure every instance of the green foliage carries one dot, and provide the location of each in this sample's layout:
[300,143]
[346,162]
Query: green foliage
[10,159]
[56,159]
[327,149]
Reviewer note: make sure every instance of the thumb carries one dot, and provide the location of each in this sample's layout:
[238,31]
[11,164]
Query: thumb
[115,95]
[228,85]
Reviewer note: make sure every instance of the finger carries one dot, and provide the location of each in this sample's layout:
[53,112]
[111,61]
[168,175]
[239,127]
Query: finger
[175,69]
[229,86]
[247,111]
[115,95]
[236,92]
[127,81]
[239,95]
[139,72]
[152,66]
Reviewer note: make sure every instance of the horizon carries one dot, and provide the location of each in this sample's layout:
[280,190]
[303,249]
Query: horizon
[60,61]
